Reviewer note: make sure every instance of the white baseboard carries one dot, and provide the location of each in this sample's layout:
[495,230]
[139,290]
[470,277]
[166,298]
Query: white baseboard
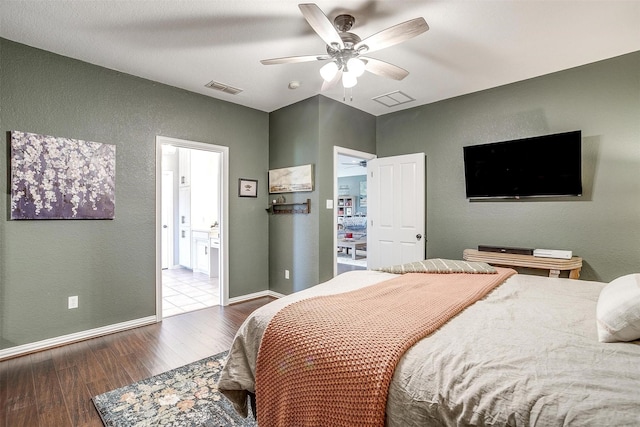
[254,296]
[75,337]
[276,294]
[21,350]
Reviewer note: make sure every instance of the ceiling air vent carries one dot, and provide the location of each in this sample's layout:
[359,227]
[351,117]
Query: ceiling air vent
[223,87]
[393,99]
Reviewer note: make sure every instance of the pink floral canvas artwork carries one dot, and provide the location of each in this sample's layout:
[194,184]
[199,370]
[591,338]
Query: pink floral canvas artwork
[61,178]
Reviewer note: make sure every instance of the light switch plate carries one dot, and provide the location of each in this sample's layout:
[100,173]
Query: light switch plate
[73,302]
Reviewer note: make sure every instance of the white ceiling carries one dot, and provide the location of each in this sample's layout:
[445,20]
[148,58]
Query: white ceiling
[471,45]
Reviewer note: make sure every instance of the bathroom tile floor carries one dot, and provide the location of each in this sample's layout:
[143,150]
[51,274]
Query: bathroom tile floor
[184,291]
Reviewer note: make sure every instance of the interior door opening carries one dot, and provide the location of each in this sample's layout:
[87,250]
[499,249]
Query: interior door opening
[350,209]
[191,222]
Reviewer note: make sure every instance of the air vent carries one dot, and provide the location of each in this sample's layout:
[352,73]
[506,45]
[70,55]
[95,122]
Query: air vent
[223,87]
[393,99]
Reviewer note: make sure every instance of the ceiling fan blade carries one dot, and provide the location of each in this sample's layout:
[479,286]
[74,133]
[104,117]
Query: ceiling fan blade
[321,24]
[295,59]
[384,69]
[394,35]
[328,85]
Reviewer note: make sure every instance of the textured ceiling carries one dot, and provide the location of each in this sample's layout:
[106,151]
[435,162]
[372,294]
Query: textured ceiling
[471,45]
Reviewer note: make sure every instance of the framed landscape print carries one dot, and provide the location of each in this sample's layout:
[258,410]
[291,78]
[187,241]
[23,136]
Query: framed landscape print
[292,179]
[61,178]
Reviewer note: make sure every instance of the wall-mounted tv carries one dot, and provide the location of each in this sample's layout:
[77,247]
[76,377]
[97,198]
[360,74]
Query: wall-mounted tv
[541,166]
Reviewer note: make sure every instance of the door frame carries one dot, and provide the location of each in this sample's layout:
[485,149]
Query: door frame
[168,257]
[351,153]
[224,214]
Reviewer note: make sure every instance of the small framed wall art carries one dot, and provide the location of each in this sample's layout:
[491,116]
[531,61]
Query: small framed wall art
[247,187]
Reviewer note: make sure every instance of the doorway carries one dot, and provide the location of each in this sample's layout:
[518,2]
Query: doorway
[191,218]
[350,209]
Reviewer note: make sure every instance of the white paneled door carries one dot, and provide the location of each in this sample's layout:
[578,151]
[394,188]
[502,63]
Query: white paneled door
[396,211]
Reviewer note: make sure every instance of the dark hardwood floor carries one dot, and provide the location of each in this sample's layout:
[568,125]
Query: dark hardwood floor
[343,268]
[54,387]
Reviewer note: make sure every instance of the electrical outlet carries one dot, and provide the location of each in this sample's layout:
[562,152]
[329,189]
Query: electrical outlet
[73,302]
[286,274]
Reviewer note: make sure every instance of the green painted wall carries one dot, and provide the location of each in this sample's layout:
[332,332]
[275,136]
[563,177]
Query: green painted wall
[293,239]
[110,265]
[303,133]
[603,226]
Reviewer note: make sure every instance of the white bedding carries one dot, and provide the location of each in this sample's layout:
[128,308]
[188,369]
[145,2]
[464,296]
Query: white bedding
[528,354]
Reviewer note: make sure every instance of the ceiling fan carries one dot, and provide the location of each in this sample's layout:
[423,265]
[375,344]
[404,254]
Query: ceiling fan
[345,49]
[355,163]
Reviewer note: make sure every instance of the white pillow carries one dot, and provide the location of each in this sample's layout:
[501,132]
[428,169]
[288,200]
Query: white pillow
[618,310]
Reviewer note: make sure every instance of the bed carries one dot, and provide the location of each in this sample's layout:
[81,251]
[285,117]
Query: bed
[526,354]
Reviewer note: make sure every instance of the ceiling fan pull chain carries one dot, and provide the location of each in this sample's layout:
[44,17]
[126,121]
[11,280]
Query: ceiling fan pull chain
[344,94]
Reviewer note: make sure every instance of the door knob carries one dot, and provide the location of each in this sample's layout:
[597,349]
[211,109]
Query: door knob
[418,236]
[165,226]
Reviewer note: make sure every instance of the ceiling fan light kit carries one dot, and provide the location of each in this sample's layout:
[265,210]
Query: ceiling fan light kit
[349,80]
[356,66]
[329,70]
[344,48]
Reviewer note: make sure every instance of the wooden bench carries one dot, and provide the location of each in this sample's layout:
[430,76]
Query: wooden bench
[554,265]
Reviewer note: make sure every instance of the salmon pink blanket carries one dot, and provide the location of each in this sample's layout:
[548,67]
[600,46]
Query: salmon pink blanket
[329,360]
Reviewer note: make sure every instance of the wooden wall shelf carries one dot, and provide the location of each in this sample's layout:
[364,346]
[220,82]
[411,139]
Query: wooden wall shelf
[290,208]
[555,266]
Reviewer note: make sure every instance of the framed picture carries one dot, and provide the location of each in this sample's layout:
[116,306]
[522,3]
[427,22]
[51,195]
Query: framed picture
[247,187]
[61,178]
[363,194]
[292,179]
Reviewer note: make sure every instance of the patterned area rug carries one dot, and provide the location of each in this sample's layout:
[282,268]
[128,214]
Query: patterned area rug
[186,396]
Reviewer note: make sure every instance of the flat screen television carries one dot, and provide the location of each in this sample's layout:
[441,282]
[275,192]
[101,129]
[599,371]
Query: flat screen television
[541,166]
